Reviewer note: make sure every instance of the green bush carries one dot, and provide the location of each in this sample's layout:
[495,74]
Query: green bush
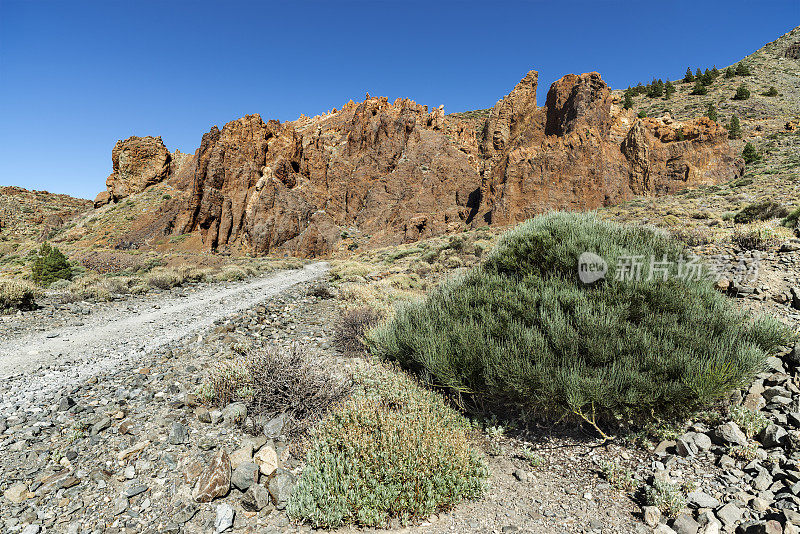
[790,221]
[742,93]
[394,451]
[763,210]
[730,73]
[50,265]
[772,91]
[750,154]
[521,333]
[16,295]
[742,70]
[711,112]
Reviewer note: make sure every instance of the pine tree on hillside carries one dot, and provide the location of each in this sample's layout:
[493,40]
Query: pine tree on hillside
[669,90]
[772,91]
[699,88]
[627,103]
[742,70]
[750,154]
[714,72]
[711,112]
[734,128]
[688,77]
[729,72]
[742,93]
[699,73]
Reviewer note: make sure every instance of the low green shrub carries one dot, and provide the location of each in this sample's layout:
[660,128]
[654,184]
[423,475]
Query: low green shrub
[50,265]
[749,421]
[666,496]
[755,238]
[17,295]
[763,210]
[790,221]
[395,450]
[521,333]
[750,154]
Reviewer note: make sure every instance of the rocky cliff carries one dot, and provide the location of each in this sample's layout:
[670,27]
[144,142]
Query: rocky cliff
[381,173]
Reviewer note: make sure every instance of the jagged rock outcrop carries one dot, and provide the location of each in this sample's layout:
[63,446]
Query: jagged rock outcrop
[379,173]
[138,162]
[581,151]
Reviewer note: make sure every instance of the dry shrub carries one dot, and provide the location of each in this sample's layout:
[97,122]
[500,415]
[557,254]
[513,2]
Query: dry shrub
[349,330]
[105,262]
[694,237]
[165,277]
[277,380]
[17,295]
[759,237]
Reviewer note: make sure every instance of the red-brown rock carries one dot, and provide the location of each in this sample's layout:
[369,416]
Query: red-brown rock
[138,163]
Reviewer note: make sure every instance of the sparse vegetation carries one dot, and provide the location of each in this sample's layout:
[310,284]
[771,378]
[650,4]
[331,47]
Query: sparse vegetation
[772,91]
[522,332]
[618,476]
[749,421]
[734,128]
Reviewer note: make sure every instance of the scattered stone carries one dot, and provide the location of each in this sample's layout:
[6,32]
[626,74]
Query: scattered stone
[700,499]
[280,487]
[256,498]
[215,480]
[684,524]
[652,516]
[178,435]
[267,460]
[17,493]
[225,516]
[730,433]
[244,476]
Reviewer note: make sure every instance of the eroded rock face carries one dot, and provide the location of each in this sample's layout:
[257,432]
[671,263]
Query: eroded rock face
[394,172]
[581,151]
[793,50]
[138,163]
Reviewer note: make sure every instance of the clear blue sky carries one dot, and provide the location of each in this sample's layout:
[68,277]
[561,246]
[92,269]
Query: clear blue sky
[76,76]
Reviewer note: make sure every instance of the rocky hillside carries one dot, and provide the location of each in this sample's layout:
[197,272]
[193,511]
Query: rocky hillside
[380,173]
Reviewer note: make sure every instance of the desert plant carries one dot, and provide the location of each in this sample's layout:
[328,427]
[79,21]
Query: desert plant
[288,381]
[349,330]
[522,332]
[394,451]
[50,265]
[17,295]
[164,278]
[763,210]
[666,496]
[618,476]
[750,154]
[742,70]
[749,421]
[730,73]
[772,91]
[742,93]
[642,114]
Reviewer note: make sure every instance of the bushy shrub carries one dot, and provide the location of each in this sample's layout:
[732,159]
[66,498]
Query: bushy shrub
[50,265]
[522,333]
[749,421]
[164,278]
[394,451]
[699,88]
[763,210]
[349,330]
[790,221]
[772,91]
[17,295]
[288,381]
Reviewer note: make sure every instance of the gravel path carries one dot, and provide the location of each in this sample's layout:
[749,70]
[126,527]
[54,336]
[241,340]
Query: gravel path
[51,359]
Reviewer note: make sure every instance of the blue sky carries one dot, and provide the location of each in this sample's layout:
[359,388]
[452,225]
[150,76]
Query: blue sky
[77,76]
